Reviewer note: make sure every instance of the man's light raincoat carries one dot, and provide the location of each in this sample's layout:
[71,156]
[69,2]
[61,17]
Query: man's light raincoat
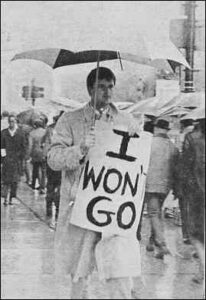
[75,246]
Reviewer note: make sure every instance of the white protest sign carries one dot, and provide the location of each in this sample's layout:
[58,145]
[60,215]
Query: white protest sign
[111,189]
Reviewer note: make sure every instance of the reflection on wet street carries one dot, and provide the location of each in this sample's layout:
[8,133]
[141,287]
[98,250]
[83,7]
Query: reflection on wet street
[27,253]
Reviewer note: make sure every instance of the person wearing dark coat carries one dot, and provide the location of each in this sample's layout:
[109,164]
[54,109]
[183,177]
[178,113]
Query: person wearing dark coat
[14,144]
[193,188]
[186,126]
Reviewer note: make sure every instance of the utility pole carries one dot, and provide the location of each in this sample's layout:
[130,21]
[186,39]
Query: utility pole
[32,87]
[32,92]
[190,7]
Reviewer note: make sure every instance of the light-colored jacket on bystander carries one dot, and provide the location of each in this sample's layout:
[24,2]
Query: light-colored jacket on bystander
[163,161]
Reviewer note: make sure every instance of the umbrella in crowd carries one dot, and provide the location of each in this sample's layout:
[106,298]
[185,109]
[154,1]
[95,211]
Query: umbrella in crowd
[195,114]
[175,111]
[123,105]
[150,106]
[66,104]
[192,100]
[29,116]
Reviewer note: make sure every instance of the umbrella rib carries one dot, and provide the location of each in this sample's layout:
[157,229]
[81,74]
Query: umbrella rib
[120,60]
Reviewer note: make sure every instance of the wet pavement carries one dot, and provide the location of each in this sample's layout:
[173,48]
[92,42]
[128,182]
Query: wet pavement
[27,258]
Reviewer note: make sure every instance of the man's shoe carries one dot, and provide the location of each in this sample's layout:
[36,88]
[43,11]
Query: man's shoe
[150,247]
[10,202]
[186,241]
[195,254]
[5,203]
[159,255]
[198,279]
[162,251]
[31,186]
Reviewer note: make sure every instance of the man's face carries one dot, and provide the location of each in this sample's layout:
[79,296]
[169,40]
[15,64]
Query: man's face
[12,122]
[104,93]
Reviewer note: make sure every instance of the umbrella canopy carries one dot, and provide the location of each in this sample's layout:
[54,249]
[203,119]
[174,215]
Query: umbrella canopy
[175,111]
[149,106]
[56,58]
[187,100]
[66,104]
[123,105]
[29,116]
[198,113]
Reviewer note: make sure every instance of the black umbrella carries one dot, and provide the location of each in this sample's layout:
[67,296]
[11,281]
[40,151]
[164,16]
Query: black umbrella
[56,58]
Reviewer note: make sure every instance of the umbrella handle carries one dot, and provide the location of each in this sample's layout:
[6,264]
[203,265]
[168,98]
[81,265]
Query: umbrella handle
[120,60]
[96,87]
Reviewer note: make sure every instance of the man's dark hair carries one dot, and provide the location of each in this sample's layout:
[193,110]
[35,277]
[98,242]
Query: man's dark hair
[104,73]
[5,114]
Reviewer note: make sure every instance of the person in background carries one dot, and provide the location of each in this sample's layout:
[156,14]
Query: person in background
[186,126]
[149,127]
[25,164]
[53,177]
[160,180]
[37,155]
[4,119]
[193,186]
[14,144]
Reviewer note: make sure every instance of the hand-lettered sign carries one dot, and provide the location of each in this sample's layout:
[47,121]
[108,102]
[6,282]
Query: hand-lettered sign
[111,190]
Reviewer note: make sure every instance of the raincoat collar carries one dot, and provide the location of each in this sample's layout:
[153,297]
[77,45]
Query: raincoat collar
[12,132]
[110,111]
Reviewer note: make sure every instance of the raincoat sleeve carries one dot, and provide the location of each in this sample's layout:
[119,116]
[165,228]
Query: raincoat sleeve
[63,154]
[30,145]
[3,146]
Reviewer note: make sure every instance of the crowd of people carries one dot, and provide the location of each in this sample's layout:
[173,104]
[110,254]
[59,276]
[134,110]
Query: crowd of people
[57,154]
[24,153]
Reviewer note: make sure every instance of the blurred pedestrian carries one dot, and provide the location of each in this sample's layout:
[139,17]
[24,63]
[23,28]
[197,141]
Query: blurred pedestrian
[36,153]
[53,177]
[141,87]
[14,144]
[25,164]
[186,126]
[193,183]
[148,127]
[159,182]
[4,119]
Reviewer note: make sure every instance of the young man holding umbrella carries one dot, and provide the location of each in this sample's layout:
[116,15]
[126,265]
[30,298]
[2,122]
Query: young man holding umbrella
[73,137]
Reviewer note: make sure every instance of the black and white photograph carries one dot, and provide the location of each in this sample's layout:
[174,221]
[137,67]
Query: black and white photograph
[102,149]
